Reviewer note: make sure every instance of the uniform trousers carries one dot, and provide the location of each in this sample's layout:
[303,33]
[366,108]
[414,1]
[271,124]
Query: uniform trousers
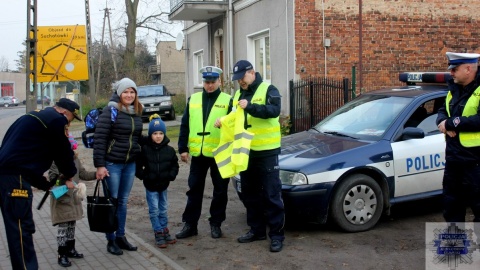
[461,189]
[196,183]
[262,196]
[18,218]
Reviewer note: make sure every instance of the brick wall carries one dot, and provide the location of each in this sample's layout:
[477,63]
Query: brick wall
[398,36]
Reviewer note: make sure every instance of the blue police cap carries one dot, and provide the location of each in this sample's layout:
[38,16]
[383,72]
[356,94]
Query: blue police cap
[456,59]
[240,69]
[210,73]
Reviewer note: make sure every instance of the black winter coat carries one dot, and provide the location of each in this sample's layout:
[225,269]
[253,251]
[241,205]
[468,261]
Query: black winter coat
[117,142]
[157,165]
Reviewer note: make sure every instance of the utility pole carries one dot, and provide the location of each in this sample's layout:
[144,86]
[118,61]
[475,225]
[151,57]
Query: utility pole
[101,49]
[112,47]
[31,68]
[91,72]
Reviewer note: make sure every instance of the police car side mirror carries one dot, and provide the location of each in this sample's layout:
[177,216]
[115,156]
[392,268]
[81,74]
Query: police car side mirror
[412,133]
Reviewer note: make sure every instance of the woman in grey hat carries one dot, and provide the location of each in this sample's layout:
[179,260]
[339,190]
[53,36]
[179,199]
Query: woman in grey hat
[115,149]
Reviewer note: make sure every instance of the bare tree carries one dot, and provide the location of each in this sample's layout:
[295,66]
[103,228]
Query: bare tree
[3,64]
[156,21]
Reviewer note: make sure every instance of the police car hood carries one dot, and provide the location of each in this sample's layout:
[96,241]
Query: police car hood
[153,99]
[300,149]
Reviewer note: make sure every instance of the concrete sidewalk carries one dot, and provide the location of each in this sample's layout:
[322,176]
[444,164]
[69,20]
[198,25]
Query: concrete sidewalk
[93,246]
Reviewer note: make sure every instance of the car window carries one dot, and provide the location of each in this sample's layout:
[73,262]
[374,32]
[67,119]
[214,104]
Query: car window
[425,116]
[151,90]
[429,124]
[366,117]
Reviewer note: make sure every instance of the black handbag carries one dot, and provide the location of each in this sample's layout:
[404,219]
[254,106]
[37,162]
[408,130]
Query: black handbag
[102,211]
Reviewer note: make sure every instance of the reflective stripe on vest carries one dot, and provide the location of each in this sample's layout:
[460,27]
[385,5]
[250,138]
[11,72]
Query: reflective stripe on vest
[202,141]
[233,151]
[266,132]
[468,139]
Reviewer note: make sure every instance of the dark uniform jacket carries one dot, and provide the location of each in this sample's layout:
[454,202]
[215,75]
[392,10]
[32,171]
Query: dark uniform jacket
[208,99]
[454,150]
[270,110]
[33,142]
[157,165]
[116,142]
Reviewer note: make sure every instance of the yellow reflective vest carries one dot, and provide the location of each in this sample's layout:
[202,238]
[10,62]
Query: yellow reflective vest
[471,138]
[266,132]
[233,151]
[200,140]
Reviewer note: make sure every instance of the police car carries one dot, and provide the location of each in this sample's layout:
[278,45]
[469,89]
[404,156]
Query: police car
[379,149]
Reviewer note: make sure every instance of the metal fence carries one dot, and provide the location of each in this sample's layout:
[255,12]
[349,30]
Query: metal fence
[312,99]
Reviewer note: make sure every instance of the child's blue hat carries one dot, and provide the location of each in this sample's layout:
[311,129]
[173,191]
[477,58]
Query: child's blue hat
[156,124]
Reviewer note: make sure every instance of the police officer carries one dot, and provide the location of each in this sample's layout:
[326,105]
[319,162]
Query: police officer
[28,149]
[459,120]
[198,137]
[261,185]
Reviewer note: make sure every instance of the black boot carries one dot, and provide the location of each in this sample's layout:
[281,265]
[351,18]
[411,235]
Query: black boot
[113,248]
[124,244]
[72,252]
[62,257]
[187,231]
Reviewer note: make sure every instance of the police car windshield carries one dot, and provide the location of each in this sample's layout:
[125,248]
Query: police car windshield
[150,91]
[365,118]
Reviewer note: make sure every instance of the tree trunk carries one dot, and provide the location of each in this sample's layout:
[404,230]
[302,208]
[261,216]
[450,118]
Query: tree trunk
[129,56]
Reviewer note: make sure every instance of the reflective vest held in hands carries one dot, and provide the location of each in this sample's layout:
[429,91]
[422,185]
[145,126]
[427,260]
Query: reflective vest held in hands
[471,138]
[266,132]
[202,140]
[233,151]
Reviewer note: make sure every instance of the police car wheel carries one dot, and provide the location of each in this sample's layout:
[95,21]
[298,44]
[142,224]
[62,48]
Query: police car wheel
[357,204]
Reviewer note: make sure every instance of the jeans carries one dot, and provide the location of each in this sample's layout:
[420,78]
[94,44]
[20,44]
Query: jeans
[120,184]
[157,209]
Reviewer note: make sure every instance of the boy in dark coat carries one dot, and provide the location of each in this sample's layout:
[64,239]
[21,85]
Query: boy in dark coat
[157,166]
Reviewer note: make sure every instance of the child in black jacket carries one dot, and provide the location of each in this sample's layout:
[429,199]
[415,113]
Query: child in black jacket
[157,166]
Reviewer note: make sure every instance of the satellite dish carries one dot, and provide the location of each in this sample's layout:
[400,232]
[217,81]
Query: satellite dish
[179,41]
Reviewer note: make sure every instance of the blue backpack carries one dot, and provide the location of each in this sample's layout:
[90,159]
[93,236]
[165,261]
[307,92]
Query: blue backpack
[91,120]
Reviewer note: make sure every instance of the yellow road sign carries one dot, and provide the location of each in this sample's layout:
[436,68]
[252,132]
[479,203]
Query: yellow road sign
[61,53]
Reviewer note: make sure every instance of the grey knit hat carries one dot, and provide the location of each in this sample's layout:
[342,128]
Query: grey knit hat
[123,84]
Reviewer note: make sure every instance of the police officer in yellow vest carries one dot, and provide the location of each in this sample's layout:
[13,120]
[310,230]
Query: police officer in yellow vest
[198,137]
[261,185]
[459,120]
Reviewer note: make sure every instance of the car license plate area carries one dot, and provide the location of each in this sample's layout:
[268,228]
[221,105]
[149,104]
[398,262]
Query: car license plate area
[152,109]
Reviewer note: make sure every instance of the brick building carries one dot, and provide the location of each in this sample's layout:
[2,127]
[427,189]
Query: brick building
[291,39]
[397,36]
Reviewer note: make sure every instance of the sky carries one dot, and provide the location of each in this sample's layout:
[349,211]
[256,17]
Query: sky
[13,22]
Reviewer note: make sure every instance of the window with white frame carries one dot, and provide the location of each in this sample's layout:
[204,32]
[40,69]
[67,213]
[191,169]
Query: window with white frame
[259,50]
[198,64]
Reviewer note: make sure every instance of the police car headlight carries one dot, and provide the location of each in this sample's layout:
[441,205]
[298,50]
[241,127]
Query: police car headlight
[293,178]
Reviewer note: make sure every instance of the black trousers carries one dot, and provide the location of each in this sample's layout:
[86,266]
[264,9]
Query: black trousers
[461,189]
[16,203]
[196,183]
[262,196]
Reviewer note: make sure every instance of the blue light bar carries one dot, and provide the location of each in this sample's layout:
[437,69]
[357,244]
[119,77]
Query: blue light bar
[424,77]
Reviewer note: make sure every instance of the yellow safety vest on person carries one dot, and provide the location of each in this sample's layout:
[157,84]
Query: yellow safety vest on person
[266,132]
[233,151]
[200,140]
[468,139]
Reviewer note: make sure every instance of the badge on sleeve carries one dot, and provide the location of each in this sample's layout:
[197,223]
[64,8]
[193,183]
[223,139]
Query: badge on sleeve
[456,121]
